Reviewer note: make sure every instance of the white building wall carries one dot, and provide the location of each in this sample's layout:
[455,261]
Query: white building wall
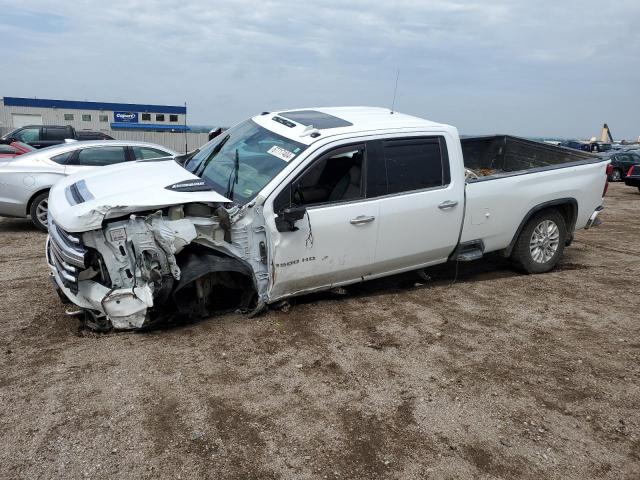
[56,116]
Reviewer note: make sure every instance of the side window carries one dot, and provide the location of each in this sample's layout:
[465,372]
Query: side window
[414,164]
[146,116]
[28,135]
[333,178]
[57,133]
[142,153]
[62,158]
[100,156]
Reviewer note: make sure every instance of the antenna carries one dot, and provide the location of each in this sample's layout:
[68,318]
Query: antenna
[395,90]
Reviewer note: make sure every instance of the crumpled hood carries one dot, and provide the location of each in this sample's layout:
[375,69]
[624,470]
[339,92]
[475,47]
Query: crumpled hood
[120,189]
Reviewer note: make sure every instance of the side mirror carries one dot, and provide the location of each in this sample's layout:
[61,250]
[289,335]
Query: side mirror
[287,218]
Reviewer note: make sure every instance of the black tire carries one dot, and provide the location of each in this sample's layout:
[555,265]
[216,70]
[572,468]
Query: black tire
[616,175]
[36,211]
[538,258]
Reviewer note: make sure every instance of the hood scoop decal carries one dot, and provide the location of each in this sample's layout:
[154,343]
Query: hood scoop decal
[194,185]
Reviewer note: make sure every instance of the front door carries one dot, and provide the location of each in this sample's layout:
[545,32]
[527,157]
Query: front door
[335,242]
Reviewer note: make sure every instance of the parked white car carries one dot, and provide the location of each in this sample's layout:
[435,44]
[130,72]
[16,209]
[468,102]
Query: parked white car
[27,179]
[298,201]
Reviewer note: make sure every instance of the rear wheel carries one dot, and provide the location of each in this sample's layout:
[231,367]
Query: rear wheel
[616,175]
[541,242]
[40,210]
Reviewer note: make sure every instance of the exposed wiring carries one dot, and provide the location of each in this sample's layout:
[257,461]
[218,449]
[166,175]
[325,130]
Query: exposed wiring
[309,241]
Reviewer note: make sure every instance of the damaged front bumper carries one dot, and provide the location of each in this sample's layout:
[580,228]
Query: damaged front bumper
[126,308]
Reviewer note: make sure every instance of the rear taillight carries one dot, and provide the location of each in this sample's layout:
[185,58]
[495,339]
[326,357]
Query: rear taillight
[630,171]
[609,169]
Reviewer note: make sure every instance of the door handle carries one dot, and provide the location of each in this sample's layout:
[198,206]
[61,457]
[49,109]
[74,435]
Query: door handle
[361,220]
[447,204]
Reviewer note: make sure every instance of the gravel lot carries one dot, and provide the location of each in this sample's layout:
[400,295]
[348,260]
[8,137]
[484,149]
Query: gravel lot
[498,375]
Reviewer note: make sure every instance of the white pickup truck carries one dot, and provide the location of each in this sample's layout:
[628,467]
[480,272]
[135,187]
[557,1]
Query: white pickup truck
[298,201]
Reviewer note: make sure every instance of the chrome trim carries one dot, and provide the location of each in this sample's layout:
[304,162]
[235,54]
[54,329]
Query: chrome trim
[593,219]
[67,246]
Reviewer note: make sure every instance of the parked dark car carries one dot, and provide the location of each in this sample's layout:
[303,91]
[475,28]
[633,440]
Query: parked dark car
[14,149]
[621,162]
[41,136]
[593,147]
[633,176]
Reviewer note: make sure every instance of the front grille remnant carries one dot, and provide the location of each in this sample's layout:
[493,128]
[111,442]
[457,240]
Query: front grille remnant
[67,254]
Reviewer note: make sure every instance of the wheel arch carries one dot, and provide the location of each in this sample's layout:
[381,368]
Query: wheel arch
[568,208]
[33,197]
[196,262]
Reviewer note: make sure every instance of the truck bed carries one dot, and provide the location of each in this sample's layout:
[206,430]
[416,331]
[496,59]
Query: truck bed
[513,175]
[494,156]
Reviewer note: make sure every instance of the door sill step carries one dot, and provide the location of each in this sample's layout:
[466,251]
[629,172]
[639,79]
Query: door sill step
[470,255]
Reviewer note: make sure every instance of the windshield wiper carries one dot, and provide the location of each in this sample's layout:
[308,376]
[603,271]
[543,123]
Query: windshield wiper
[200,170]
[233,177]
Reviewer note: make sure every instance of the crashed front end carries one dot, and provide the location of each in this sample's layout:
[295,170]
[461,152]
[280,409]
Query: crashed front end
[118,273]
[137,271]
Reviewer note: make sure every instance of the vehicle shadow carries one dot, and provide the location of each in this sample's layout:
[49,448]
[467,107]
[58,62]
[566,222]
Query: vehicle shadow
[16,225]
[491,267]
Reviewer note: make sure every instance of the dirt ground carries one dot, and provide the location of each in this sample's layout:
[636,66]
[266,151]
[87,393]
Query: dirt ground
[498,375]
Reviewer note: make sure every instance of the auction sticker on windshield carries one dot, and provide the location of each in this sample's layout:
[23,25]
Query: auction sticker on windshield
[281,153]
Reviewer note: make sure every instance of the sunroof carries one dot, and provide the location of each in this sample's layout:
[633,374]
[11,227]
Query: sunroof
[318,119]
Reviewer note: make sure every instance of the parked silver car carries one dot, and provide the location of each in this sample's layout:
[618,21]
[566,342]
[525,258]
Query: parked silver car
[25,181]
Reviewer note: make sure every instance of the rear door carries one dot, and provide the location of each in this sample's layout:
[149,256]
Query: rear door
[421,208]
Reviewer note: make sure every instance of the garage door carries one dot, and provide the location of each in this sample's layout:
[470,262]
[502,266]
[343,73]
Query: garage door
[22,119]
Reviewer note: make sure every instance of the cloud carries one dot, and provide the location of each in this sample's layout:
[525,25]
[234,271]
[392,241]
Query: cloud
[532,68]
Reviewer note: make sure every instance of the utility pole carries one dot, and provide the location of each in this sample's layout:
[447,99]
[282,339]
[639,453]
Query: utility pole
[186,147]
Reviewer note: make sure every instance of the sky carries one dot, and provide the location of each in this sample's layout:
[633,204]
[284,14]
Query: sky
[523,67]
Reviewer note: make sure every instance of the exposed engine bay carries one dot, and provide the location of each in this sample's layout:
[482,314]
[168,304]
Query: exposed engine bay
[190,260]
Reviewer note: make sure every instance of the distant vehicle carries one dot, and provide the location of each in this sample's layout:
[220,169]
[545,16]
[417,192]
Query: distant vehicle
[633,177]
[591,146]
[621,162]
[14,149]
[41,136]
[26,180]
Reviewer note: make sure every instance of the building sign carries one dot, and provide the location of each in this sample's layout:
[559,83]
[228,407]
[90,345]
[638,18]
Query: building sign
[125,117]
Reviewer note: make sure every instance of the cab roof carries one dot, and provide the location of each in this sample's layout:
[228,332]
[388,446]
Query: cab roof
[309,124]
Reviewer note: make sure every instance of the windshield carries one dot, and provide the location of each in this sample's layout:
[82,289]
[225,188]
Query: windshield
[241,161]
